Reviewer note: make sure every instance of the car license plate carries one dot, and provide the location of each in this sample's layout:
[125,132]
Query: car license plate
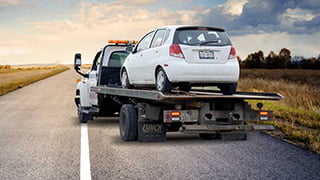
[206,55]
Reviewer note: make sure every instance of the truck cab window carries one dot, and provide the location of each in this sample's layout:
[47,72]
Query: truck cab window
[117,58]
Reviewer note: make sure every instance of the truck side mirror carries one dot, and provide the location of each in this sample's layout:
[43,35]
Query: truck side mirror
[77,61]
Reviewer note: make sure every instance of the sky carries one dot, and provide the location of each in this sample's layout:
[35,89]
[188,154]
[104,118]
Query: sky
[51,31]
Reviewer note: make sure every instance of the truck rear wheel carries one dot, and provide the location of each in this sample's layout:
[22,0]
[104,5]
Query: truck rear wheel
[208,136]
[128,123]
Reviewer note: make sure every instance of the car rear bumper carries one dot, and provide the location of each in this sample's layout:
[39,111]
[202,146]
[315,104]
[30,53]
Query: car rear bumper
[181,71]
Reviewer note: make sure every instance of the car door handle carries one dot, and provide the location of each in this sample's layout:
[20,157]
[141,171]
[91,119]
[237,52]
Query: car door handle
[141,55]
[156,51]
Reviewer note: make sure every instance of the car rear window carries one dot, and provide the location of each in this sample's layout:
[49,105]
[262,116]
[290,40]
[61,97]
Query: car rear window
[200,36]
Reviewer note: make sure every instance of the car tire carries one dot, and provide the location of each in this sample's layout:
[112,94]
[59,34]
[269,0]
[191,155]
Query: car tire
[228,89]
[128,123]
[162,82]
[125,80]
[185,88]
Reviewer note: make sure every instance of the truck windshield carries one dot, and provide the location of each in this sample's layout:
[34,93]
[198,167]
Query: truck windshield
[199,36]
[117,58]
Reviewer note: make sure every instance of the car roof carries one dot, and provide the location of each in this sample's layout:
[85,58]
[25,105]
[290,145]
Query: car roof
[186,26]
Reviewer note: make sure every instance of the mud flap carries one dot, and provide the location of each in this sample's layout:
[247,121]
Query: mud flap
[150,128]
[151,131]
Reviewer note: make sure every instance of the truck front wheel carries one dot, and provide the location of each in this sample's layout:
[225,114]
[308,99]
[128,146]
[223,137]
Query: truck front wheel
[128,123]
[83,117]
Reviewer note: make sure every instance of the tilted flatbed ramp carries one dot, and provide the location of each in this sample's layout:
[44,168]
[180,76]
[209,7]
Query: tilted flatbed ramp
[179,95]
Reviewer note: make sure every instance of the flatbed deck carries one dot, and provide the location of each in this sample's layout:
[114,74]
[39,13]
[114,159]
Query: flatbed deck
[180,95]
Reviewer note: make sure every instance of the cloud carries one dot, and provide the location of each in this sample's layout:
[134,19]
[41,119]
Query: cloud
[260,16]
[53,26]
[234,7]
[253,24]
[137,2]
[92,15]
[309,26]
[298,44]
[5,3]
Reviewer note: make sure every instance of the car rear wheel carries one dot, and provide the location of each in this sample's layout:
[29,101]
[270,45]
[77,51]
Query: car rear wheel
[125,80]
[162,82]
[228,89]
[185,88]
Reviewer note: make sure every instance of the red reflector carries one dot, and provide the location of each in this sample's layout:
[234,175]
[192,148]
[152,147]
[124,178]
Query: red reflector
[232,53]
[264,113]
[175,113]
[176,51]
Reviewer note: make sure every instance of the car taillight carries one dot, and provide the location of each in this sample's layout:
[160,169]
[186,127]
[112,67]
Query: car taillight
[232,53]
[176,51]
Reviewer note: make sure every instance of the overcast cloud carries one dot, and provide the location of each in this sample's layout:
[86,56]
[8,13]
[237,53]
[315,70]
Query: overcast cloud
[47,31]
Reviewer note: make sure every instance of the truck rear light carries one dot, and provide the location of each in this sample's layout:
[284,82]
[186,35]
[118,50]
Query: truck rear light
[175,51]
[232,53]
[264,113]
[175,113]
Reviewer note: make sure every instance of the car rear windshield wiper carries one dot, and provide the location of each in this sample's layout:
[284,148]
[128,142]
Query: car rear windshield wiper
[208,42]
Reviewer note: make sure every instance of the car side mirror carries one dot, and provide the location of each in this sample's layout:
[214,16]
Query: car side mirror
[129,48]
[77,61]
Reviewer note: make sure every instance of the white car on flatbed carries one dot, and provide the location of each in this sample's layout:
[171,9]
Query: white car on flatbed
[182,56]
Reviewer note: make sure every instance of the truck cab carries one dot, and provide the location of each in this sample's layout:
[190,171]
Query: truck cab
[105,71]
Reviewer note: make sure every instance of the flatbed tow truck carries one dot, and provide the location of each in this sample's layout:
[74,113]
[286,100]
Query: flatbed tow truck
[147,115]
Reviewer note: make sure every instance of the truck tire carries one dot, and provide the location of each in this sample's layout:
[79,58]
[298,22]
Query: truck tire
[128,123]
[83,117]
[208,136]
[162,82]
[125,80]
[228,89]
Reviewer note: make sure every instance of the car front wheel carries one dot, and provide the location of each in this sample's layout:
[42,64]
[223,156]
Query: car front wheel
[125,80]
[162,82]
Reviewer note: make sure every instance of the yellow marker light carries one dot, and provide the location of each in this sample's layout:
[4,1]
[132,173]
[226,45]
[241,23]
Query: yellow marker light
[78,80]
[122,42]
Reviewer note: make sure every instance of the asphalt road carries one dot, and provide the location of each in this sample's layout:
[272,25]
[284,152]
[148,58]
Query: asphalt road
[40,139]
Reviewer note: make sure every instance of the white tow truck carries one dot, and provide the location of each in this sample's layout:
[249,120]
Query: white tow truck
[147,114]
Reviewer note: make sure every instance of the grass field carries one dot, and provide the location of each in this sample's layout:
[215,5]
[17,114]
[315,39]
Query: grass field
[297,117]
[17,77]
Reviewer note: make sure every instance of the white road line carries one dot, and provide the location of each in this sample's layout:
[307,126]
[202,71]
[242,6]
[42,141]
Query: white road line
[85,171]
